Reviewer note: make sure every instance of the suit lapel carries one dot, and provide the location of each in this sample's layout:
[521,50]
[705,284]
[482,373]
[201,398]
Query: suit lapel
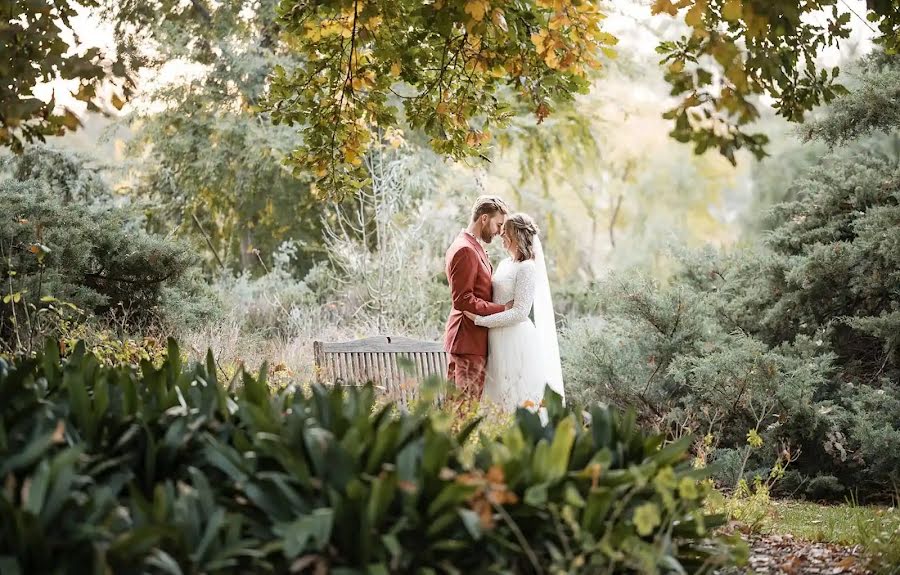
[482,255]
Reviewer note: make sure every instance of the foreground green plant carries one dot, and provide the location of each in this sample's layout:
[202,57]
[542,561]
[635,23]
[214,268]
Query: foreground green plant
[166,469]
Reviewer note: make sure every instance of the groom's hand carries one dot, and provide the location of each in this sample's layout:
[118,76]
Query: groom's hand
[510,304]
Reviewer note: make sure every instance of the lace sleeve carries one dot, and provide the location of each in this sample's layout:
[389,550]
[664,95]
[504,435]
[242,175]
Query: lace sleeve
[522,300]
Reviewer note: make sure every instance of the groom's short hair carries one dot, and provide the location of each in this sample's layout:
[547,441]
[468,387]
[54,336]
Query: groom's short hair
[489,205]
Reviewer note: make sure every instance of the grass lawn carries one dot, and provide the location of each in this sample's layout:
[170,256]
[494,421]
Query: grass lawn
[875,529]
[843,524]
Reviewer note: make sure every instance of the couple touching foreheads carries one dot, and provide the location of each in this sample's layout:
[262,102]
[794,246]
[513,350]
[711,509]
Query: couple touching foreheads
[496,352]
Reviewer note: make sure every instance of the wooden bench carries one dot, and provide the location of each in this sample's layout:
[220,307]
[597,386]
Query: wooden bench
[378,359]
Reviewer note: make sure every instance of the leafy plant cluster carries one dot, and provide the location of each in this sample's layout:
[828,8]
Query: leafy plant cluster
[452,69]
[169,470]
[795,338]
[68,255]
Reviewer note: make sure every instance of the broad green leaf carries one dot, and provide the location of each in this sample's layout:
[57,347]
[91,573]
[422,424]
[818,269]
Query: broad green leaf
[472,523]
[37,483]
[308,533]
[561,448]
[163,561]
[384,488]
[536,495]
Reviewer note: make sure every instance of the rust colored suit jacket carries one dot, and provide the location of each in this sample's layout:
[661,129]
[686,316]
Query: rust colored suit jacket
[469,273]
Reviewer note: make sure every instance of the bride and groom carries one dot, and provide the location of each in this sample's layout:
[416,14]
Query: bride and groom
[497,353]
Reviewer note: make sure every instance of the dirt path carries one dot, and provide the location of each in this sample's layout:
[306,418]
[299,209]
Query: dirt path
[783,554]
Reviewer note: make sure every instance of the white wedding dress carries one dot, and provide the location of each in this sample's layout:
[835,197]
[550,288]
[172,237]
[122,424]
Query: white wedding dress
[522,358]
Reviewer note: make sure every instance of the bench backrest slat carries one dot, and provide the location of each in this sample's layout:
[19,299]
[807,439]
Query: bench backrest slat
[376,359]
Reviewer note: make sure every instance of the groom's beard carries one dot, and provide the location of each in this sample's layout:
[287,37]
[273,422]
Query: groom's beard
[486,236]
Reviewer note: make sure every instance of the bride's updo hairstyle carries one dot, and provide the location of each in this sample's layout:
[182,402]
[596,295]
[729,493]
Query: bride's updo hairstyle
[523,229]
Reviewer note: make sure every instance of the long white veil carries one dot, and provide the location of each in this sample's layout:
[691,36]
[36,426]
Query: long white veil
[545,322]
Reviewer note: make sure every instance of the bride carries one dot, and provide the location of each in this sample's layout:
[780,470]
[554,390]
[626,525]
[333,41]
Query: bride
[523,356]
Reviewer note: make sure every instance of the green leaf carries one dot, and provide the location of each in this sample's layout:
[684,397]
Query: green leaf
[173,359]
[308,533]
[163,561]
[62,476]
[213,526]
[563,440]
[227,460]
[467,431]
[435,452]
[671,564]
[450,496]
[601,427]
[380,498]
[136,542]
[674,452]
[211,374]
[540,463]
[32,452]
[472,523]
[598,505]
[536,495]
[37,488]
[572,496]
[385,443]
[80,402]
[646,518]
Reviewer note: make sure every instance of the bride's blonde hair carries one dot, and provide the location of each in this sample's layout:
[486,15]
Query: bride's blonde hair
[524,230]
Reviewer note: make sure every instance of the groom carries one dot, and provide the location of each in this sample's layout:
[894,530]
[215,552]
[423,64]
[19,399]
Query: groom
[469,273]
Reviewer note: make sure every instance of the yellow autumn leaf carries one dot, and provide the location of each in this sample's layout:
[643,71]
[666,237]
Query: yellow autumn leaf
[394,137]
[694,16]
[551,59]
[476,9]
[724,53]
[351,155]
[70,120]
[732,10]
[738,76]
[395,69]
[607,38]
[539,39]
[664,6]
[559,21]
